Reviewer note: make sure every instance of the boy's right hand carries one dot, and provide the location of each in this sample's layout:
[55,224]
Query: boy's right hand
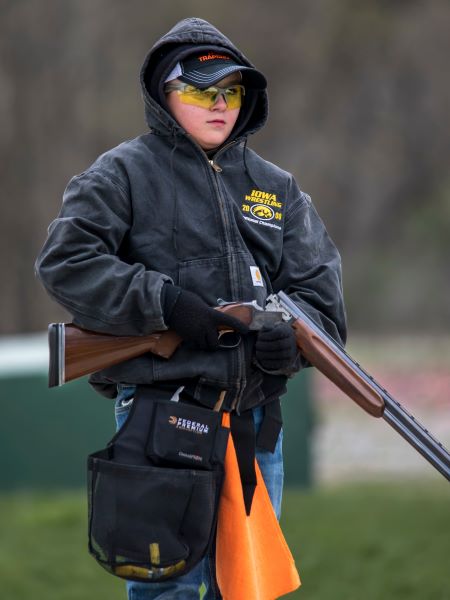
[196,322]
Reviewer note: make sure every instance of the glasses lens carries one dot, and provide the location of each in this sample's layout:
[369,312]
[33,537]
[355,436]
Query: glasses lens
[233,96]
[196,97]
[207,98]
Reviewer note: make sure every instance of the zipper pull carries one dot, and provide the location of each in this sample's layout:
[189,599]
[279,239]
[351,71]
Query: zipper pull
[215,166]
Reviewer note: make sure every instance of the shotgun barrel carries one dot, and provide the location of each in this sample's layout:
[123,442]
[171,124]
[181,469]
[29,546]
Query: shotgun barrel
[323,352]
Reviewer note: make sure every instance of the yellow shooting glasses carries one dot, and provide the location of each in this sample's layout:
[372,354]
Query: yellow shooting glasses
[207,98]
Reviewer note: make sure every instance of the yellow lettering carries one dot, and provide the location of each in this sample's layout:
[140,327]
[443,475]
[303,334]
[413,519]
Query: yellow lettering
[263,198]
[264,195]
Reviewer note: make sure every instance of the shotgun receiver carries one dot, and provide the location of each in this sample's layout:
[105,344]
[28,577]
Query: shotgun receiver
[75,352]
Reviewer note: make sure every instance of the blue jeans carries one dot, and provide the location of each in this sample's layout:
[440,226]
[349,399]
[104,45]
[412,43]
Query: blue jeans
[199,584]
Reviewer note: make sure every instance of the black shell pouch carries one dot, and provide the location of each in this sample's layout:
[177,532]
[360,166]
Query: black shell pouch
[154,491]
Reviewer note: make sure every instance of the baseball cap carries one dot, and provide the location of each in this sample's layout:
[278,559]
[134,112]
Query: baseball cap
[203,69]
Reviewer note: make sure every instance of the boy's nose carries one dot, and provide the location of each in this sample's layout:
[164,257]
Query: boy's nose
[220,103]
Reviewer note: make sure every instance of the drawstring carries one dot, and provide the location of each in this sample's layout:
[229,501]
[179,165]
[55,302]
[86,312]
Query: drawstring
[245,161]
[175,194]
[246,168]
[174,136]
[257,187]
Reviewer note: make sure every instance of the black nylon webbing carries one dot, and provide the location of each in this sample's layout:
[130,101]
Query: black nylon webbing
[271,426]
[243,432]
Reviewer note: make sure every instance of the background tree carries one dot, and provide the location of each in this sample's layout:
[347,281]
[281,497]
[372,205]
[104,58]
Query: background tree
[359,113]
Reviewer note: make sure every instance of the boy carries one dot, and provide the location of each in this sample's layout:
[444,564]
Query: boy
[158,230]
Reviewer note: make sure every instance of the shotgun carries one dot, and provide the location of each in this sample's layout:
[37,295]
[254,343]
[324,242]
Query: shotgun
[75,352]
[330,358]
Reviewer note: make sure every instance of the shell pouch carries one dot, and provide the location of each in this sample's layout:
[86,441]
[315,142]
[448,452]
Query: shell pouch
[154,491]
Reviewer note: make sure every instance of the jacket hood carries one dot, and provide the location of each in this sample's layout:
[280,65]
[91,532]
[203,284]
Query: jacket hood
[180,41]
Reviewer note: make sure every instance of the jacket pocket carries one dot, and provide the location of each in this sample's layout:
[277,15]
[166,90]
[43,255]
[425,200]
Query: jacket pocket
[208,276]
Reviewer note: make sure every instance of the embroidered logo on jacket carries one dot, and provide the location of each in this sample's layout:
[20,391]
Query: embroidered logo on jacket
[262,212]
[262,208]
[256,276]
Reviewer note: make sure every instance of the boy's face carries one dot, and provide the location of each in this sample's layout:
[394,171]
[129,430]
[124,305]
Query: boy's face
[209,127]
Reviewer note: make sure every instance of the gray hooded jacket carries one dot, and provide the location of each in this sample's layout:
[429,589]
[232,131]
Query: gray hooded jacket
[157,209]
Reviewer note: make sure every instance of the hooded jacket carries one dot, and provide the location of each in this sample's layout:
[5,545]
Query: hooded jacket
[157,209]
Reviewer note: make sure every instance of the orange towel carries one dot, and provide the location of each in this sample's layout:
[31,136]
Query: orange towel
[253,561]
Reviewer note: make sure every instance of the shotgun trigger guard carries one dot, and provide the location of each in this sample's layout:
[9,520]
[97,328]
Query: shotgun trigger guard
[229,339]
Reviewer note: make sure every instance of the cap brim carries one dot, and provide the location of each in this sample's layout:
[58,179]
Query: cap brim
[252,77]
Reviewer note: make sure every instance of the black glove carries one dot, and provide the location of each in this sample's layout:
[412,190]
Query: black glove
[189,316]
[275,347]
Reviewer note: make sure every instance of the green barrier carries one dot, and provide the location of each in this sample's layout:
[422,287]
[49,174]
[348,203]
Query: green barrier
[298,424]
[46,434]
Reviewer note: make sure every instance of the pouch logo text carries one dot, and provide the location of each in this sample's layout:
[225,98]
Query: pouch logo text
[188,425]
[195,457]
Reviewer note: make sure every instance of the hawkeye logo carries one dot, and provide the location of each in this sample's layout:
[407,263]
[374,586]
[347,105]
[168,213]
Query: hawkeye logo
[188,425]
[262,212]
[261,207]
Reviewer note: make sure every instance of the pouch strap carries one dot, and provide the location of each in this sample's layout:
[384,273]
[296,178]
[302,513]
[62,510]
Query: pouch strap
[243,431]
[270,427]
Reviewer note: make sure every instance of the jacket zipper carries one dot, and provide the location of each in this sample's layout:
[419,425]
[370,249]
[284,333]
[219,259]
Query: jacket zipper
[215,166]
[234,280]
[233,272]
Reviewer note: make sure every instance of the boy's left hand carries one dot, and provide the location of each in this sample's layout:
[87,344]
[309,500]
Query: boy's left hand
[276,347]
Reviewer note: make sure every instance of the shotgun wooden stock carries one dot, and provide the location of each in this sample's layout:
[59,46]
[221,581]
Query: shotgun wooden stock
[75,352]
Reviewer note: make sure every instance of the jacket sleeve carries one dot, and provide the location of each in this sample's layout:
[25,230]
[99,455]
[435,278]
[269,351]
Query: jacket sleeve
[80,267]
[310,269]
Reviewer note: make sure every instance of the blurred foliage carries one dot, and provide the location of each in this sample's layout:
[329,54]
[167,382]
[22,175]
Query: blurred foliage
[390,540]
[359,113]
